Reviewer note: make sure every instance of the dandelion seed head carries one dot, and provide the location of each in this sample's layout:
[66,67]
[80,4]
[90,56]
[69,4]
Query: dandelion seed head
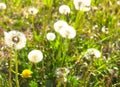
[92,52]
[64,9]
[118,2]
[15,39]
[82,5]
[50,36]
[33,10]
[35,56]
[68,32]
[59,24]
[2,6]
[61,72]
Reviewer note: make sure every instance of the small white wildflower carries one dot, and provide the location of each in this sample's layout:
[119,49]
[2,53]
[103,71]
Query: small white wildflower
[15,39]
[50,36]
[62,72]
[82,5]
[105,30]
[33,10]
[35,56]
[92,52]
[2,6]
[68,32]
[64,9]
[59,24]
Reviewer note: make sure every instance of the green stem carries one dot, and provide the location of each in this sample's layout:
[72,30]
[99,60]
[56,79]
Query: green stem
[64,50]
[10,69]
[16,70]
[33,27]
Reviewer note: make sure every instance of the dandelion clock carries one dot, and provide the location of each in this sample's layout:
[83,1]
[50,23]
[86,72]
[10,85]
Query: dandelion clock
[35,56]
[15,39]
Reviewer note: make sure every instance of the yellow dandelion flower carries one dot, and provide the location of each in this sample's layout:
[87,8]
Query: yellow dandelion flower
[26,73]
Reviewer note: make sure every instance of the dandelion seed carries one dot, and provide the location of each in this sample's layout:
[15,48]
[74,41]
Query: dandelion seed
[35,56]
[62,72]
[83,5]
[2,6]
[68,32]
[50,36]
[33,10]
[64,9]
[26,73]
[59,24]
[92,52]
[15,39]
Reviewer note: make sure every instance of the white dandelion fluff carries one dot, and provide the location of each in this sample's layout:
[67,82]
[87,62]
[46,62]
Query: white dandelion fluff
[15,39]
[59,24]
[35,56]
[68,32]
[92,52]
[118,2]
[2,5]
[62,72]
[83,5]
[33,10]
[64,9]
[50,36]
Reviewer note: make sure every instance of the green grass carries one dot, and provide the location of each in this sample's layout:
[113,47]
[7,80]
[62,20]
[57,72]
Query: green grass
[62,52]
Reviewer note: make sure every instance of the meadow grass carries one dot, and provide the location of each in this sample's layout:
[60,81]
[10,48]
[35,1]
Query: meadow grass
[62,52]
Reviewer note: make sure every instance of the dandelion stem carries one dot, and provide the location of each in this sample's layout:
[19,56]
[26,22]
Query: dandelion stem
[16,70]
[10,68]
[65,49]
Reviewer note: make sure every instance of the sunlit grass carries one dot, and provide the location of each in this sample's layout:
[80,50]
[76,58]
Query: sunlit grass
[98,28]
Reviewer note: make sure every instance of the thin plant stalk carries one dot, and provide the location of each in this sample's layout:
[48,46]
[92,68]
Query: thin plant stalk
[16,70]
[65,49]
[33,27]
[10,69]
